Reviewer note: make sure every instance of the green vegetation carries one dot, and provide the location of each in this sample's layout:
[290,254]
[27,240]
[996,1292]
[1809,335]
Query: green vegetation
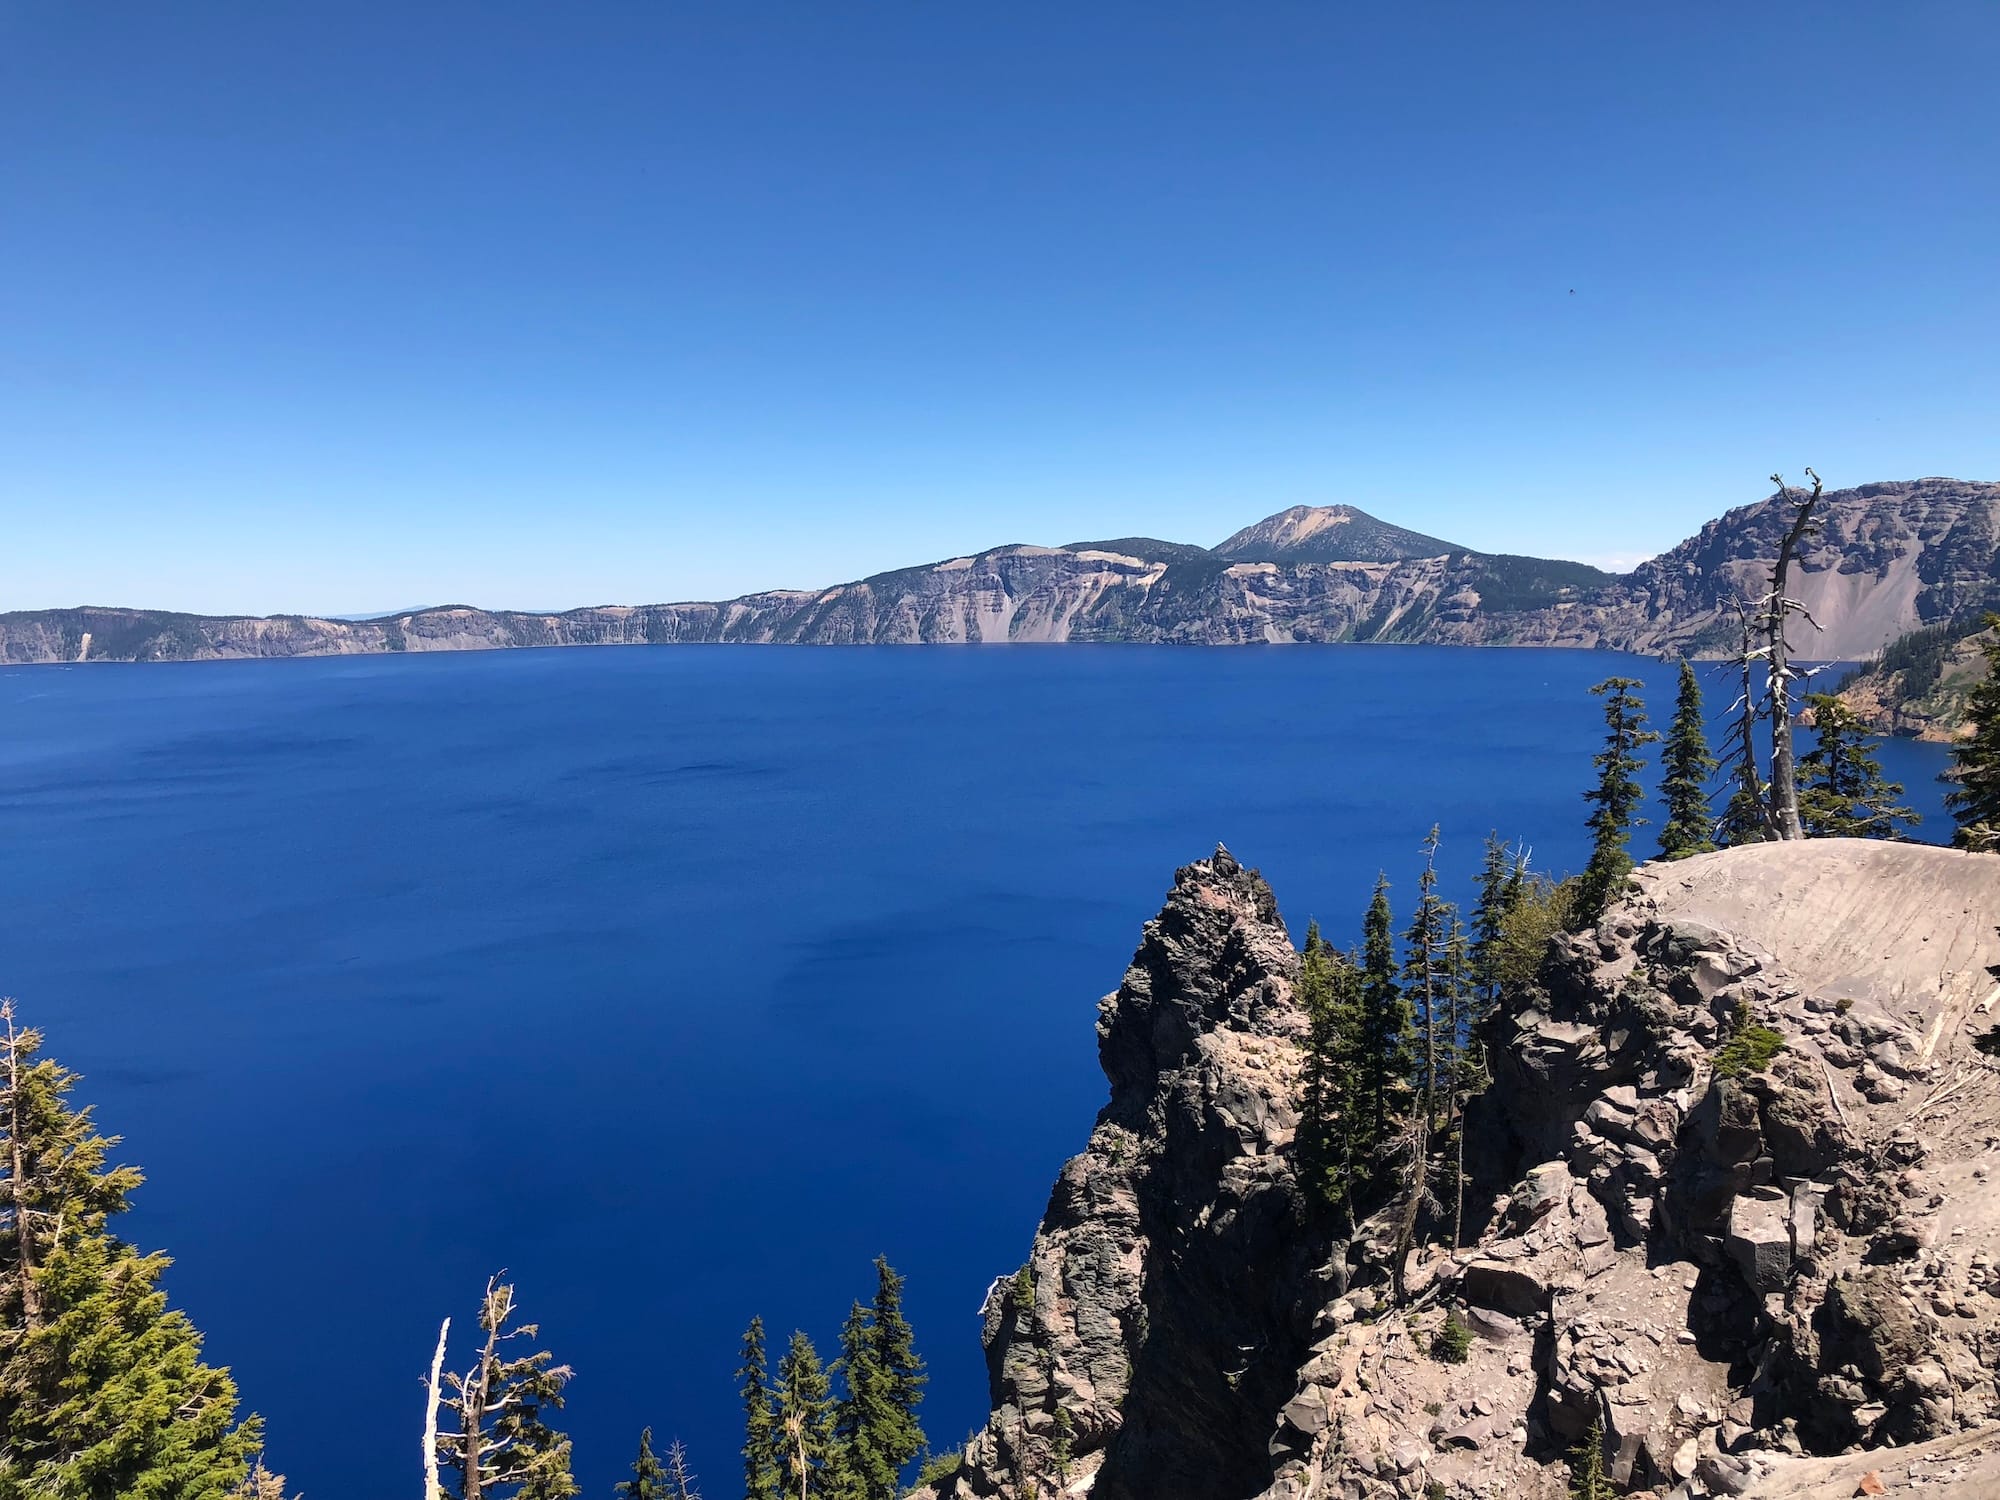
[1334,1140]
[938,1468]
[1587,1479]
[1453,1344]
[1507,583]
[103,1394]
[760,1418]
[1023,1293]
[875,1422]
[1686,767]
[1750,1046]
[1616,795]
[1974,799]
[1386,1030]
[1842,792]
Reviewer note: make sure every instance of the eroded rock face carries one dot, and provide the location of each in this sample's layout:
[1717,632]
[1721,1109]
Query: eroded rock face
[1739,1269]
[1161,1309]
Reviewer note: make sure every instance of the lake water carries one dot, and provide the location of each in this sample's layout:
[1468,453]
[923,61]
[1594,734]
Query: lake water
[679,982]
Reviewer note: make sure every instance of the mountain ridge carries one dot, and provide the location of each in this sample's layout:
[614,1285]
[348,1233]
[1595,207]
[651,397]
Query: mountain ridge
[1890,555]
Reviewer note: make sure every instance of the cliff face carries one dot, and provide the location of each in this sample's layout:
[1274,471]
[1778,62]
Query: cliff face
[1926,698]
[1890,557]
[1158,1312]
[1764,1279]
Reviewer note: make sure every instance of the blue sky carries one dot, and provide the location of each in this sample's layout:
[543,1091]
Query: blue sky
[338,306]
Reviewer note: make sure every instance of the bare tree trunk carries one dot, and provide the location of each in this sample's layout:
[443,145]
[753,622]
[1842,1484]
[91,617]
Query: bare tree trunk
[1784,772]
[17,1185]
[478,1390]
[1406,1222]
[434,1390]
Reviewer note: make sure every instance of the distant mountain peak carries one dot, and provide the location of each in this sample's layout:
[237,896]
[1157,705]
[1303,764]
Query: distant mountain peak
[1329,533]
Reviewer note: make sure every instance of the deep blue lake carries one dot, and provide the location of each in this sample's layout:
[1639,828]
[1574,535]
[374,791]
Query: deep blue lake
[680,982]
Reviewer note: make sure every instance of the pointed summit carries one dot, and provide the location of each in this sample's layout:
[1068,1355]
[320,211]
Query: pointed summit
[1329,533]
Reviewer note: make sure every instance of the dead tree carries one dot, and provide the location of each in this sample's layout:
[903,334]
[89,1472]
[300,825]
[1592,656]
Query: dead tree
[1747,817]
[434,1392]
[504,1445]
[1778,608]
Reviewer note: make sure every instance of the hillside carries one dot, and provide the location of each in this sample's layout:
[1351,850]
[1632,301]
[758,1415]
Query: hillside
[1767,1279]
[1891,557]
[1920,683]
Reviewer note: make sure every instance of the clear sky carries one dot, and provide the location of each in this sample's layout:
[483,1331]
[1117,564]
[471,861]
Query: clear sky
[338,305]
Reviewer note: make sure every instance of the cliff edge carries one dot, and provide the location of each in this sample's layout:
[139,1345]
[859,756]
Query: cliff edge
[1773,1273]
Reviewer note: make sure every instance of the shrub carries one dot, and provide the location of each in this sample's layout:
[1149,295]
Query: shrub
[1750,1047]
[1024,1290]
[1453,1344]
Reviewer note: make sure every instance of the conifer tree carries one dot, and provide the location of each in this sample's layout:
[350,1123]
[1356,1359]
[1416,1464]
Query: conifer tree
[1424,945]
[504,1448]
[1685,767]
[895,1435]
[1332,1136]
[1842,791]
[1616,795]
[1465,1071]
[1385,1020]
[649,1476]
[1502,879]
[1974,799]
[762,1440]
[811,1454]
[103,1394]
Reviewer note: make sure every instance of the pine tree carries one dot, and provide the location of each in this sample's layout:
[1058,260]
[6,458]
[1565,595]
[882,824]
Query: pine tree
[1746,818]
[1385,1020]
[1974,799]
[1842,792]
[811,1452]
[103,1394]
[1686,766]
[865,1471]
[649,1476]
[1424,945]
[1502,878]
[762,1440]
[1465,1068]
[1616,795]
[504,1448]
[1331,1135]
[897,1436]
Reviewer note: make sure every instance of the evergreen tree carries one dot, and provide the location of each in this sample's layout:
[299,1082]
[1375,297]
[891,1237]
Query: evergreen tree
[896,1436]
[1616,795]
[649,1476]
[1842,792]
[811,1453]
[1502,878]
[1686,766]
[1465,1068]
[1385,1020]
[504,1448]
[1974,799]
[1332,1136]
[1424,976]
[762,1440]
[103,1394]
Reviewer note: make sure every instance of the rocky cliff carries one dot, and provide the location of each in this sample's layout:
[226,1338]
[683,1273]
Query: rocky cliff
[1890,557]
[1758,1262]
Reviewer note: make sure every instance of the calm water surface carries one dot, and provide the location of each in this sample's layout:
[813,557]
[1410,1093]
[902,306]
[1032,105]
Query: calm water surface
[679,982]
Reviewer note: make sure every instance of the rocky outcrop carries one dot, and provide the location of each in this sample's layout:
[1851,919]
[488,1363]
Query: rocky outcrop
[1735,1216]
[1148,1343]
[1888,557]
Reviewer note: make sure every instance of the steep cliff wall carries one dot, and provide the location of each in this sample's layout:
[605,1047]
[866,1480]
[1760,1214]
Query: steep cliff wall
[1762,1279]
[1889,557]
